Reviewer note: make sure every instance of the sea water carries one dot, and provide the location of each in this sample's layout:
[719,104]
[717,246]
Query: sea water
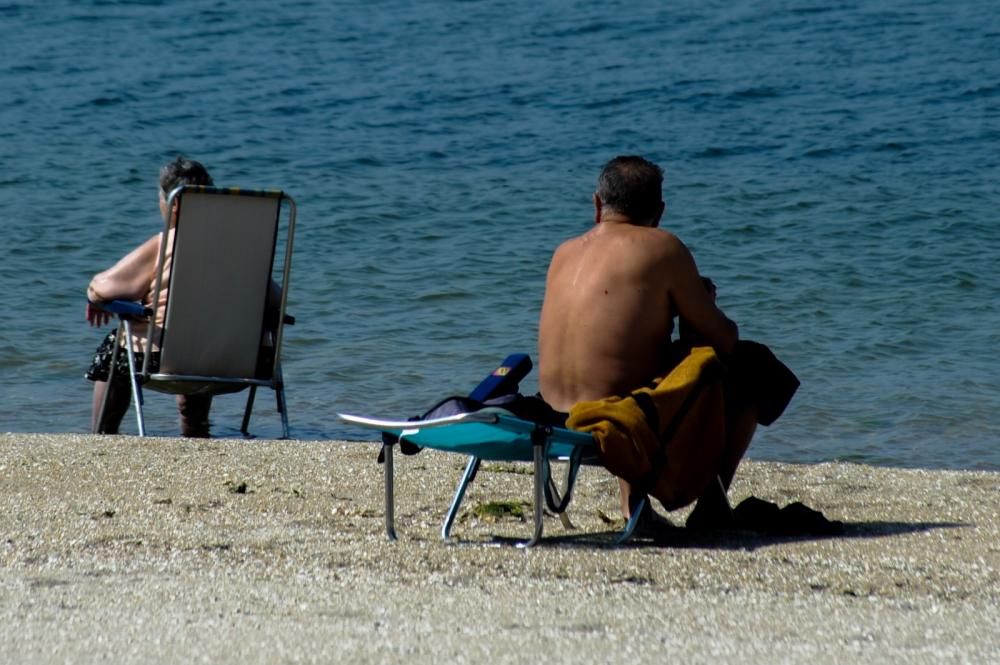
[832,166]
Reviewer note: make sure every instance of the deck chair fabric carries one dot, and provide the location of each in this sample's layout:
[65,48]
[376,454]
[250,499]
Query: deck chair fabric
[222,258]
[216,267]
[507,427]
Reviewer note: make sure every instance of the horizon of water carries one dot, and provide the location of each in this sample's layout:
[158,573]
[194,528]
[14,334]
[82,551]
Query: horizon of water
[833,168]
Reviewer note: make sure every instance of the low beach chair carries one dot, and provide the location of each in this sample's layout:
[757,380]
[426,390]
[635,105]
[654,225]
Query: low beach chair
[493,433]
[220,333]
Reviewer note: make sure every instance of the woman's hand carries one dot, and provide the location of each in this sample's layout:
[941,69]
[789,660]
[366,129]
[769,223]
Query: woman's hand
[96,316]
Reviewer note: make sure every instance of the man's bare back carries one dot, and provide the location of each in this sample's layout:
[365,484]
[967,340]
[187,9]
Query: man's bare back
[610,298]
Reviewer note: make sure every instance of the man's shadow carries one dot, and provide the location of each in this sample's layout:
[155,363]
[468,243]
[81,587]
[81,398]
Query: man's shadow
[741,539]
[737,539]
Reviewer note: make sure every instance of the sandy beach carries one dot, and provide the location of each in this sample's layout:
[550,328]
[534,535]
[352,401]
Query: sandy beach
[165,550]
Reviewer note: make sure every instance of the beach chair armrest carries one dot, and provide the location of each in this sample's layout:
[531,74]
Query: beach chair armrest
[124,308]
[484,416]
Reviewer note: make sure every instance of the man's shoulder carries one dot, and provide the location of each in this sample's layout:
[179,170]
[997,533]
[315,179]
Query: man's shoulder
[571,245]
[655,241]
[633,239]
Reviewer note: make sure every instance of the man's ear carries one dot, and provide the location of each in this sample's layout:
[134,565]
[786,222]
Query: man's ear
[597,208]
[659,214]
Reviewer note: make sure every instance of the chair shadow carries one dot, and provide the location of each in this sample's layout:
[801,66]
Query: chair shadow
[682,538]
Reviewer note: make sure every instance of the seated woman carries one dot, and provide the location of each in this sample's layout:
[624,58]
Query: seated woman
[133,278]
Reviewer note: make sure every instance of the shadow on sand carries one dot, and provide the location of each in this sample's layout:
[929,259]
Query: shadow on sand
[735,539]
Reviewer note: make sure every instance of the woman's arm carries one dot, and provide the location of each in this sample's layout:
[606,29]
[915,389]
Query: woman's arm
[129,279]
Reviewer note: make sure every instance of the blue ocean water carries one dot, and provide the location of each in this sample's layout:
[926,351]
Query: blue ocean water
[832,165]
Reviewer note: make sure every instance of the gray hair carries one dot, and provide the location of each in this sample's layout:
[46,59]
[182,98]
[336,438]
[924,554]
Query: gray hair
[631,185]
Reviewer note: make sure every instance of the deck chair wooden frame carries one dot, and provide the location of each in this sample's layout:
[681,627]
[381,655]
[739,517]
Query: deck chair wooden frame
[494,434]
[214,328]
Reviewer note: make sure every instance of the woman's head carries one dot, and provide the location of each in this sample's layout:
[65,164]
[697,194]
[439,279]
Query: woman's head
[183,171]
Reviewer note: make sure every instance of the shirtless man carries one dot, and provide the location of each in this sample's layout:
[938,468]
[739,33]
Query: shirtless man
[610,300]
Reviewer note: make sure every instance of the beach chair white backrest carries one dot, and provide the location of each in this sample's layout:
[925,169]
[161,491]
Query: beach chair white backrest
[222,261]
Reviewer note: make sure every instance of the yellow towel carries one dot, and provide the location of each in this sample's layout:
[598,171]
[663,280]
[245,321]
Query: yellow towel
[671,449]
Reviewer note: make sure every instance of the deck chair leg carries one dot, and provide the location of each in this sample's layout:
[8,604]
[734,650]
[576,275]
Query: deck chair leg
[470,472]
[283,410]
[244,428]
[390,528]
[282,405]
[538,439]
[136,387]
[558,503]
[633,522]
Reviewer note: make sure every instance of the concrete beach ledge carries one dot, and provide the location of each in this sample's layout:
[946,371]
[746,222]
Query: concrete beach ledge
[119,549]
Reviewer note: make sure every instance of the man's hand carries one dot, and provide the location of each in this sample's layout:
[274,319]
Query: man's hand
[684,329]
[96,316]
[710,286]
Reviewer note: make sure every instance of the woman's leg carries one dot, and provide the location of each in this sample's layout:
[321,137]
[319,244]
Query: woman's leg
[119,394]
[193,410]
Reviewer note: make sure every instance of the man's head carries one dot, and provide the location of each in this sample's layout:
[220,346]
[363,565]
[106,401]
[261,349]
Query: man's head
[633,187]
[183,171]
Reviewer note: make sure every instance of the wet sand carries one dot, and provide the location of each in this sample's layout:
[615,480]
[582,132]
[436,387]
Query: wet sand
[116,549]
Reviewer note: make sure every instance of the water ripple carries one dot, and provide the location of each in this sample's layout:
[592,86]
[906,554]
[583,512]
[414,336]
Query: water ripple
[833,168]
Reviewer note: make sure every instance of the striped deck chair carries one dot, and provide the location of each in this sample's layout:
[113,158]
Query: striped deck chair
[493,434]
[215,335]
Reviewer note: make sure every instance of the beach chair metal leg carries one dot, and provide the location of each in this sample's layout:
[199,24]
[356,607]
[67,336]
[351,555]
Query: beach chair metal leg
[556,500]
[633,522]
[390,528]
[283,410]
[134,379]
[279,390]
[245,427]
[470,473]
[539,441]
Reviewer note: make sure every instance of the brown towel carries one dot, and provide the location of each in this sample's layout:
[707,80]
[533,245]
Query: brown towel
[668,440]
[754,374]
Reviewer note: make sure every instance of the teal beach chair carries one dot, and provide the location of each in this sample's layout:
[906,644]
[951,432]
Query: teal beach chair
[493,434]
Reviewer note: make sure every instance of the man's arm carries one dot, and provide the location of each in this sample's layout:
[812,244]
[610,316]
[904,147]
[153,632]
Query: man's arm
[694,303]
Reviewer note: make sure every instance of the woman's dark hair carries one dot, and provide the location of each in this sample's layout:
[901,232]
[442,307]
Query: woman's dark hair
[183,171]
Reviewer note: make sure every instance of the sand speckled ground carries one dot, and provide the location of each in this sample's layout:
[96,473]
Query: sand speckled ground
[117,549]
